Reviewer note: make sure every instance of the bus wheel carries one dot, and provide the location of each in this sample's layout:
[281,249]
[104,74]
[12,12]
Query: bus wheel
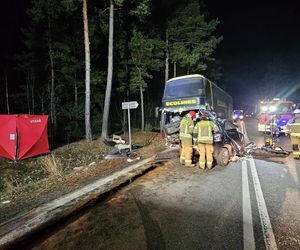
[222,157]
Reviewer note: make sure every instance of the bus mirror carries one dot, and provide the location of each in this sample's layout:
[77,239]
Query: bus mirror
[156,112]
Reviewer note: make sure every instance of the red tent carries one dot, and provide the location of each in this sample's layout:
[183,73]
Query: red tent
[23,136]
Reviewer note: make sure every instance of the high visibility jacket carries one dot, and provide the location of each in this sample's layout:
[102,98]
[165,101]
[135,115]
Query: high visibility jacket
[294,127]
[203,131]
[186,128]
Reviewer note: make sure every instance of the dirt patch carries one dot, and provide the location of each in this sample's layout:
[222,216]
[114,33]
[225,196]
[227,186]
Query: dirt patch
[27,184]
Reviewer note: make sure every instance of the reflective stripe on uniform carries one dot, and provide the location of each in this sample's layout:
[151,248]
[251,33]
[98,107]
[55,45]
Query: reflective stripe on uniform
[186,136]
[186,129]
[200,136]
[296,153]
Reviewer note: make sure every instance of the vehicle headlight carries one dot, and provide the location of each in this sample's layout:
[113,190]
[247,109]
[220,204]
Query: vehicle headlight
[273,108]
[241,117]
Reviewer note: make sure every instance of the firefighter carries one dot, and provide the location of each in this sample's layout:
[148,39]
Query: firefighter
[186,138]
[294,131]
[203,138]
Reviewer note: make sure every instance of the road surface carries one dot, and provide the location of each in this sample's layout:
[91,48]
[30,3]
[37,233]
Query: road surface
[249,204]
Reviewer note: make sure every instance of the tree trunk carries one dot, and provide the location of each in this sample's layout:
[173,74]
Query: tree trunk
[42,103]
[52,90]
[6,89]
[75,91]
[142,108]
[32,95]
[28,93]
[76,95]
[174,69]
[167,58]
[88,132]
[124,120]
[52,93]
[109,72]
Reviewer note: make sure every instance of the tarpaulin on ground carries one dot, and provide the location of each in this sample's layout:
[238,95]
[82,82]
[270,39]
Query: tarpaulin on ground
[23,136]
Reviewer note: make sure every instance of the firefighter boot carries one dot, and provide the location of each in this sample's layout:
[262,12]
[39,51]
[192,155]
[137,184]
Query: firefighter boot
[188,163]
[182,160]
[202,165]
[209,165]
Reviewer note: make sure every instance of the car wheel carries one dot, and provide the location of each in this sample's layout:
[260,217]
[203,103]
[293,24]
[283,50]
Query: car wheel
[223,157]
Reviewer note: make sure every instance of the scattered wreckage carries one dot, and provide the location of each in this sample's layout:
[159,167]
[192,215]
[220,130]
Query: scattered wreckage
[231,142]
[120,148]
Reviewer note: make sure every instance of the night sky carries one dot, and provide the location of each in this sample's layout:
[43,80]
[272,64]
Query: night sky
[256,33]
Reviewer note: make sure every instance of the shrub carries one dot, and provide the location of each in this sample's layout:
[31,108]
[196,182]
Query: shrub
[52,165]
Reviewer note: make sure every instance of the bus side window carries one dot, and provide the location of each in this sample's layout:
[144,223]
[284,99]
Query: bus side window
[208,92]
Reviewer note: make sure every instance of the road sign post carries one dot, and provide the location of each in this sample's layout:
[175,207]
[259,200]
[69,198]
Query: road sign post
[128,106]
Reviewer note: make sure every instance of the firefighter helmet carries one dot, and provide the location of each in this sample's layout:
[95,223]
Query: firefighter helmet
[192,113]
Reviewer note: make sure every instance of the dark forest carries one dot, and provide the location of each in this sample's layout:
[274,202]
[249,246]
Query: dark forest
[43,64]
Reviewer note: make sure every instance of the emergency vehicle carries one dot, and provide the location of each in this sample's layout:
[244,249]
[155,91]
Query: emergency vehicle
[274,115]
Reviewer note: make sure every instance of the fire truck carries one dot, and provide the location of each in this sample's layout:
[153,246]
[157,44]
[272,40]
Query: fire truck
[273,115]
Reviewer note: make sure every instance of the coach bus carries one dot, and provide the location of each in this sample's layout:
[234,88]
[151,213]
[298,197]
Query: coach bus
[191,92]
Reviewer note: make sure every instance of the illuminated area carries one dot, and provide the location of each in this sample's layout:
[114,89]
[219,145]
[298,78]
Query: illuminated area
[277,108]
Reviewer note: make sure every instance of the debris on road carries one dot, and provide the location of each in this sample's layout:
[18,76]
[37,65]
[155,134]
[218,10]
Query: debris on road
[265,151]
[133,159]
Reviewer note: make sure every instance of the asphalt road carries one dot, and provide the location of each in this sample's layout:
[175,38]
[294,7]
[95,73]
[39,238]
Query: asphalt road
[249,204]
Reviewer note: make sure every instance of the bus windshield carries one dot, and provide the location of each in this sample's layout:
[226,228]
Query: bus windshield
[187,87]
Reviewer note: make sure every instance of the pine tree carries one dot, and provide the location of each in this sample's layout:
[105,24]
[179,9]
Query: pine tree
[146,56]
[88,132]
[191,38]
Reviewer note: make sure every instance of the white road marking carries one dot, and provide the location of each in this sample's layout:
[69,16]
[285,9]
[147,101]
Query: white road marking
[269,237]
[249,242]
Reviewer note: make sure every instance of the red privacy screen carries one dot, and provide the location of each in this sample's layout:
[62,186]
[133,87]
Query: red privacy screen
[23,136]
[8,136]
